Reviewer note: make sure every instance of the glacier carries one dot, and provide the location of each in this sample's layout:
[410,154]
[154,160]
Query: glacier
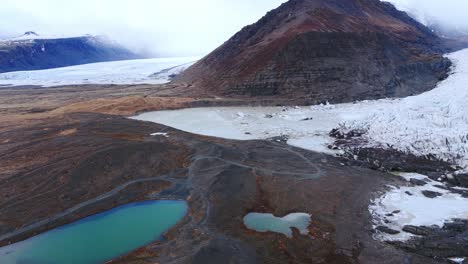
[141,71]
[435,122]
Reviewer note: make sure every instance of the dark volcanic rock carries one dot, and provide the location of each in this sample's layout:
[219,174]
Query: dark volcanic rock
[389,159]
[387,230]
[418,182]
[324,50]
[431,194]
[458,225]
[447,242]
[338,134]
[418,230]
[37,54]
[461,179]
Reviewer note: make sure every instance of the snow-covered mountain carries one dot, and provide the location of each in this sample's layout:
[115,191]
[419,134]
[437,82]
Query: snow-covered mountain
[32,51]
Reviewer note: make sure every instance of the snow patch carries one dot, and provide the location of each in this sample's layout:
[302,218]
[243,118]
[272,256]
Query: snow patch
[413,208]
[261,222]
[30,35]
[458,260]
[160,134]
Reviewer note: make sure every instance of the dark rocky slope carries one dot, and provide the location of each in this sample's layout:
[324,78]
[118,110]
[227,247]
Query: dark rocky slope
[37,54]
[317,50]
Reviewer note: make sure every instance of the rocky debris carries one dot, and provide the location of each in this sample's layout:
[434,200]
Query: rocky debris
[339,134]
[418,182]
[442,187]
[463,193]
[387,230]
[459,179]
[389,159]
[449,241]
[418,230]
[386,158]
[281,139]
[458,225]
[431,194]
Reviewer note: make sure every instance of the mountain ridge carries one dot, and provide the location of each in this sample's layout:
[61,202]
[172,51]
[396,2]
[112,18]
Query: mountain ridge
[256,61]
[32,51]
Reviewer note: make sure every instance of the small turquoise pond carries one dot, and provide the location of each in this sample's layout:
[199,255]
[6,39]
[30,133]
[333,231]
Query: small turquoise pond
[270,223]
[98,238]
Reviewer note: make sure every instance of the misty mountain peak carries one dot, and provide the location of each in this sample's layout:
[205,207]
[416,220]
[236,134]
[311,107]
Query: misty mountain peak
[30,33]
[290,50]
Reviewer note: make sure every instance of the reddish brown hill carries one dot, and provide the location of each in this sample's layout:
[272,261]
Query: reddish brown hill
[316,50]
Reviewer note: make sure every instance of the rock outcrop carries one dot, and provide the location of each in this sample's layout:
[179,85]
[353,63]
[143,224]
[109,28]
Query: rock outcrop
[446,242]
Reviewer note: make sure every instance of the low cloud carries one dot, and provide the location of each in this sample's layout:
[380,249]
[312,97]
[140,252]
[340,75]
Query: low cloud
[172,27]
[162,27]
[449,13]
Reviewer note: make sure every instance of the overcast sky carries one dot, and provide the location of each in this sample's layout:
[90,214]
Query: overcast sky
[452,13]
[169,27]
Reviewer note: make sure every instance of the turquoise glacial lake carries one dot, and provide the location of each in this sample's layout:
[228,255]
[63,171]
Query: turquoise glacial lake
[98,238]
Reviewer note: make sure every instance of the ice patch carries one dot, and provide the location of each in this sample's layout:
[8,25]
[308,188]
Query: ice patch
[268,222]
[306,127]
[413,208]
[458,260]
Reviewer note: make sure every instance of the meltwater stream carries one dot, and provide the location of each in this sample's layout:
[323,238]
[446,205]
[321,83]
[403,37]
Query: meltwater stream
[98,238]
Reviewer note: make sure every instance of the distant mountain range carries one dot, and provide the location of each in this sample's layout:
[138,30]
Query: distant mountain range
[32,51]
[325,50]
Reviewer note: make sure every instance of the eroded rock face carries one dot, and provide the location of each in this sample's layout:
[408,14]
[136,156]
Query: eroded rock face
[343,67]
[317,50]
